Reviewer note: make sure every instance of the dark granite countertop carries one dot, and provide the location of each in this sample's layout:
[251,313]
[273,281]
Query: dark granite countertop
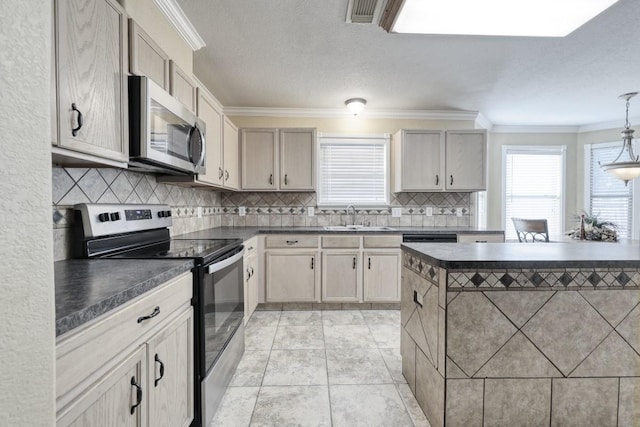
[459,256]
[248,232]
[85,289]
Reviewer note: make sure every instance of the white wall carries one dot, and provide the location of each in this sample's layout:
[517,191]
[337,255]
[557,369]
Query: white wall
[494,189]
[27,340]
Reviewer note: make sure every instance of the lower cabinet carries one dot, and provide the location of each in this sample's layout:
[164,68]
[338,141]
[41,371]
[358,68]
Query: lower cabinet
[251,283]
[381,277]
[292,276]
[341,279]
[132,366]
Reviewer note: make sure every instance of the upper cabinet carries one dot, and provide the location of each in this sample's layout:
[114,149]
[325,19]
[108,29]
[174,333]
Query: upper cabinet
[182,86]
[278,159]
[210,112]
[466,160]
[426,160]
[146,58]
[230,149]
[91,81]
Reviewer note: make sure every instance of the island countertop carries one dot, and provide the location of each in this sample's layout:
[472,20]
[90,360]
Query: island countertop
[524,255]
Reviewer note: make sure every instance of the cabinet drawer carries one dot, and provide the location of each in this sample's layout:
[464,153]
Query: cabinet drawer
[292,241]
[340,241]
[83,354]
[382,241]
[250,246]
[480,238]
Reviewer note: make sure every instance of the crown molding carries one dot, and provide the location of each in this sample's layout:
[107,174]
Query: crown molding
[181,23]
[343,112]
[534,129]
[482,122]
[618,124]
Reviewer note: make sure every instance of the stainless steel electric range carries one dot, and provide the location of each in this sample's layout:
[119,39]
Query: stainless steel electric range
[142,232]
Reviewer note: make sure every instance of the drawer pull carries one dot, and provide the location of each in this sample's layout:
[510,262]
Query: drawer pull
[155,312]
[291,242]
[138,395]
[481,241]
[157,380]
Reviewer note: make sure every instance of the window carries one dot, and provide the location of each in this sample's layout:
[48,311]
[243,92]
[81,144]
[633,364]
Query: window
[533,186]
[606,196]
[353,171]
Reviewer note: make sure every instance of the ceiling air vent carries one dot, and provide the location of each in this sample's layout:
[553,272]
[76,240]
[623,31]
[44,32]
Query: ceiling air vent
[363,11]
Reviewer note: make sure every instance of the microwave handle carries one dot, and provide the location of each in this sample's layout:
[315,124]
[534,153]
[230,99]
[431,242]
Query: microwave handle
[193,129]
[217,266]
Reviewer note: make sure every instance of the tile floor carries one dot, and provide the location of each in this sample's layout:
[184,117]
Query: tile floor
[321,368]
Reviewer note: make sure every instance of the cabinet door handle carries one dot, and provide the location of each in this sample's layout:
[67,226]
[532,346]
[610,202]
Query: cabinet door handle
[220,173]
[451,182]
[226,175]
[153,314]
[291,242]
[286,180]
[369,263]
[354,263]
[271,179]
[248,275]
[437,180]
[252,272]
[138,395]
[75,130]
[157,380]
[312,261]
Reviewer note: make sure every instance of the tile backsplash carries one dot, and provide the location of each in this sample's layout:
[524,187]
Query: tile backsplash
[80,185]
[90,185]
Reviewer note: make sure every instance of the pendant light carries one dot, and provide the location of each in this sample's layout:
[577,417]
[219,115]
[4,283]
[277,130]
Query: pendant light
[621,168]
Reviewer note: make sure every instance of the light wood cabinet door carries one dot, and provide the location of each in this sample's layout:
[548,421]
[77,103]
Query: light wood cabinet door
[251,291]
[340,276]
[420,160]
[171,376]
[182,87]
[258,147]
[381,278]
[91,77]
[146,58]
[114,400]
[292,276]
[209,112]
[230,155]
[297,159]
[466,160]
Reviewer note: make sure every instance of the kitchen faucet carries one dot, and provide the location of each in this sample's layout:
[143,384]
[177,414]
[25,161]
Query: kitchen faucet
[353,214]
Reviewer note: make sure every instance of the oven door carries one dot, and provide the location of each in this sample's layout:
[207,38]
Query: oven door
[163,131]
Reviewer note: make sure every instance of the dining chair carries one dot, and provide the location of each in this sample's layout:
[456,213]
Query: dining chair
[531,230]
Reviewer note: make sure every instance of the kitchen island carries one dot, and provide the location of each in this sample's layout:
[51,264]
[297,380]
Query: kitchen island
[522,334]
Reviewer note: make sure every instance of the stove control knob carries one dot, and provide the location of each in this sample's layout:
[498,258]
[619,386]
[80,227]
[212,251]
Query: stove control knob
[115,216]
[167,213]
[103,217]
[160,214]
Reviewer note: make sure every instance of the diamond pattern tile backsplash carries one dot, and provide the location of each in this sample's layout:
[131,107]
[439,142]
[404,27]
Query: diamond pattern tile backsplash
[80,185]
[106,185]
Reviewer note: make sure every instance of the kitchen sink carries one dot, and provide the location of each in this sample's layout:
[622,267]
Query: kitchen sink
[356,228]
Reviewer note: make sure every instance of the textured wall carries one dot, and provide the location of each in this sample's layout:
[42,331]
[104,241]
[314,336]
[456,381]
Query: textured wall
[26,272]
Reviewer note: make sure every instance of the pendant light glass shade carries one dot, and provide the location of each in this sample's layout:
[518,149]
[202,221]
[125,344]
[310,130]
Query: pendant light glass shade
[625,168]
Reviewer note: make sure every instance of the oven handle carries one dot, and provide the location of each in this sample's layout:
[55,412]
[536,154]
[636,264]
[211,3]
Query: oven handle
[217,266]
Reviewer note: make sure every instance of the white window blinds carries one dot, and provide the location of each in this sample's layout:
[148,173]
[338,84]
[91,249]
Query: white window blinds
[608,198]
[533,187]
[353,171]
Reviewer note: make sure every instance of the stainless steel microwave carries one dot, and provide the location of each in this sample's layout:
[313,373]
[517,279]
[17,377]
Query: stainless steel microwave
[164,136]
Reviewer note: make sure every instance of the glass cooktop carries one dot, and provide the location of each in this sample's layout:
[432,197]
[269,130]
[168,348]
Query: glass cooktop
[182,249]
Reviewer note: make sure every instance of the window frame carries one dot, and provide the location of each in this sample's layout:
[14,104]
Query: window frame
[385,140]
[550,149]
[635,194]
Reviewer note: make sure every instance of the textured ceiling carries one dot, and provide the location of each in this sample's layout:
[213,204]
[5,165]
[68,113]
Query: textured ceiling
[302,54]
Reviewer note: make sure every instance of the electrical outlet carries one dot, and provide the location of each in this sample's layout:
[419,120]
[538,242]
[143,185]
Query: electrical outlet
[458,211]
[242,211]
[428,211]
[199,211]
[418,299]
[311,211]
[396,212]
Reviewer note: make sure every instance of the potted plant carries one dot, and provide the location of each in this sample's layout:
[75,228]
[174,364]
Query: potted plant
[594,228]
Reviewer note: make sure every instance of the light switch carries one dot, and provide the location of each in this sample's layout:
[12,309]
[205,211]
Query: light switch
[396,212]
[242,211]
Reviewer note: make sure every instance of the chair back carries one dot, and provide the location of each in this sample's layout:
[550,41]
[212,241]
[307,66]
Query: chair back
[531,230]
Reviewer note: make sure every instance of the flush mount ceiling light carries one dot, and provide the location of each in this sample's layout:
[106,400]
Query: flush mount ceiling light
[533,18]
[355,105]
[621,168]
